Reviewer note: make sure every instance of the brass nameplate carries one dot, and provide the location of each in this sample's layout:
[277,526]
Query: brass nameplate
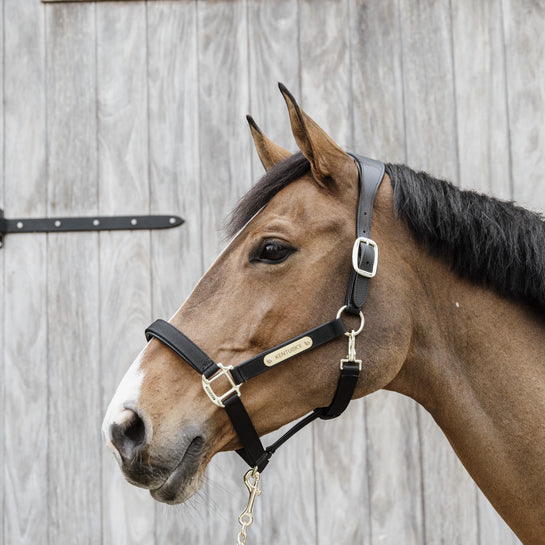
[287,351]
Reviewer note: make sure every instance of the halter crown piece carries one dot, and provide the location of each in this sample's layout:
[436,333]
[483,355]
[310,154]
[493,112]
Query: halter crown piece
[364,267]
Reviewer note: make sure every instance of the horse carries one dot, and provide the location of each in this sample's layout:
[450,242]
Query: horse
[454,319]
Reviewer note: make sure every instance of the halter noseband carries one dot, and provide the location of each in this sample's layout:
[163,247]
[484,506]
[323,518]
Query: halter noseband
[364,266]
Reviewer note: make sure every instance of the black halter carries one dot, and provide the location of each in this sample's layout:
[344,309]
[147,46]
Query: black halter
[364,265]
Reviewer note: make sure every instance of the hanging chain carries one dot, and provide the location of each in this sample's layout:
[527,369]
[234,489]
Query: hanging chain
[246,518]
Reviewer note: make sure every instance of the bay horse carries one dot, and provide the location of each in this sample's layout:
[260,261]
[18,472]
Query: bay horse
[454,318]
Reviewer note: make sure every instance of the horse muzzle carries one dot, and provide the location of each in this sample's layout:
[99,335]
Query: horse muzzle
[174,473]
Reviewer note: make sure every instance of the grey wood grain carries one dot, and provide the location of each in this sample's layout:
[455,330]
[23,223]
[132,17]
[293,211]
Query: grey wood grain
[525,65]
[377,80]
[2,283]
[125,269]
[25,295]
[175,188]
[75,408]
[430,126]
[481,101]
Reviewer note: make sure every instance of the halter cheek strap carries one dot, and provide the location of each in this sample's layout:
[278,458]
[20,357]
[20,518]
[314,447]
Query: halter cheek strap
[364,266]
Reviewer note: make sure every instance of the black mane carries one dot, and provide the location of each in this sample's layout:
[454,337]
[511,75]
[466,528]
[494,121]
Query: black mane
[492,242]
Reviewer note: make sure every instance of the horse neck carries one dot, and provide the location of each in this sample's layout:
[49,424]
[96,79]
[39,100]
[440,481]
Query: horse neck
[477,365]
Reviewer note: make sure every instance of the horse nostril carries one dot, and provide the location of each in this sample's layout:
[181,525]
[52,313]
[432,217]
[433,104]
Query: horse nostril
[128,434]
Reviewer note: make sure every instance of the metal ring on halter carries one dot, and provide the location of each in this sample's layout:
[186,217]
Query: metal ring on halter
[360,329]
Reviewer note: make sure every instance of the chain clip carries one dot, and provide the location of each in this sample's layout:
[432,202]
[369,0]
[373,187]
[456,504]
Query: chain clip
[246,518]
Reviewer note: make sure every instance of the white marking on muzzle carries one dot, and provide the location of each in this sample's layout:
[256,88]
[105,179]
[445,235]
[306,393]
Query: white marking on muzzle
[126,397]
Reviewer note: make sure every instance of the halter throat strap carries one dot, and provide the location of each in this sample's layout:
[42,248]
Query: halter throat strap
[364,266]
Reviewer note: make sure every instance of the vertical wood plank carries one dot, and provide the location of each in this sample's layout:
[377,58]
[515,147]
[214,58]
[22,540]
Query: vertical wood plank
[75,409]
[377,80]
[128,513]
[285,515]
[25,327]
[393,445]
[481,102]
[175,188]
[483,144]
[225,175]
[525,63]
[325,59]
[430,126]
[3,471]
[430,117]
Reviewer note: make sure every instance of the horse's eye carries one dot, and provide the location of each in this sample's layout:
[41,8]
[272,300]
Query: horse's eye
[272,251]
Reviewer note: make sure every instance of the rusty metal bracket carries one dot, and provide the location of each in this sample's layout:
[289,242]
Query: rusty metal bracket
[91,223]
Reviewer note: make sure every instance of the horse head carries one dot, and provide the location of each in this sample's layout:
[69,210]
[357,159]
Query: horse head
[285,271]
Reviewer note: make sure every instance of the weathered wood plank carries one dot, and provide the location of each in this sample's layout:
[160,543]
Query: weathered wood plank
[393,446]
[124,256]
[481,102]
[427,64]
[483,143]
[377,80]
[2,292]
[525,65]
[225,174]
[25,298]
[327,95]
[430,127]
[75,408]
[175,188]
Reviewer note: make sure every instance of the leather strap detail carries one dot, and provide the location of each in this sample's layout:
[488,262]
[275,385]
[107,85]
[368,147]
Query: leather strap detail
[253,448]
[183,346]
[344,392]
[298,426]
[371,173]
[319,335]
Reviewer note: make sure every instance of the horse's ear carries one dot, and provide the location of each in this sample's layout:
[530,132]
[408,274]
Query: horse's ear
[269,152]
[327,160]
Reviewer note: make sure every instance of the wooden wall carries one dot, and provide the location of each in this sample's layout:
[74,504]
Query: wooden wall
[138,107]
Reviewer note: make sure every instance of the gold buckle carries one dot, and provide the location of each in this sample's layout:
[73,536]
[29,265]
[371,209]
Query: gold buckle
[207,385]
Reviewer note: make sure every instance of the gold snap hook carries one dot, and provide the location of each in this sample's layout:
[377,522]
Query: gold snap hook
[246,518]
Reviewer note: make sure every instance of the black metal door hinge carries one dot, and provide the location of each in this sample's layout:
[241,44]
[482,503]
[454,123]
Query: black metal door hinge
[91,223]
